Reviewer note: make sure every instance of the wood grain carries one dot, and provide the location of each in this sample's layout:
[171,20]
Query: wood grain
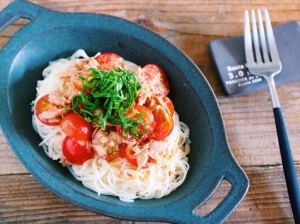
[248,120]
[23,199]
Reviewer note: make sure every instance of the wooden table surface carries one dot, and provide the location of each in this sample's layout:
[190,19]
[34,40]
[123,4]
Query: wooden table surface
[249,122]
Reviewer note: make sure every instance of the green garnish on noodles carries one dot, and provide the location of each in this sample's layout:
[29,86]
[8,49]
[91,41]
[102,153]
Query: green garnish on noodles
[111,95]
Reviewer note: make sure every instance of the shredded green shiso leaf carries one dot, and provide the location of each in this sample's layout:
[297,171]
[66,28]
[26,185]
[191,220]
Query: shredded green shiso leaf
[112,93]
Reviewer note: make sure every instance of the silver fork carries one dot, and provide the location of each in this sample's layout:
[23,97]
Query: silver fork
[263,60]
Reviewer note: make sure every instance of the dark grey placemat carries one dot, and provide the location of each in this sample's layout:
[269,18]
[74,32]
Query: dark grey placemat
[228,56]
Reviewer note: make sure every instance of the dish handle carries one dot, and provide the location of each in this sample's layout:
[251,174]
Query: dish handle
[239,187]
[16,10]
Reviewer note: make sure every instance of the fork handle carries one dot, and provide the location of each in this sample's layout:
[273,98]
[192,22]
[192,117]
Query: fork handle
[288,164]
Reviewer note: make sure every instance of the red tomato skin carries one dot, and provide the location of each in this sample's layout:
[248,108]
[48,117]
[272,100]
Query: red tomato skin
[163,110]
[169,104]
[76,127]
[109,157]
[157,78]
[77,83]
[154,101]
[76,152]
[164,124]
[148,120]
[131,159]
[42,105]
[108,60]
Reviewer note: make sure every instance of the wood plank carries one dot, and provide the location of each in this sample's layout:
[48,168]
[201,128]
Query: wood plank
[250,126]
[214,18]
[249,122]
[9,164]
[23,199]
[207,18]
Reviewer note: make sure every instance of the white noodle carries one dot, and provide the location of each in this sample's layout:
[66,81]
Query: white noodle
[117,177]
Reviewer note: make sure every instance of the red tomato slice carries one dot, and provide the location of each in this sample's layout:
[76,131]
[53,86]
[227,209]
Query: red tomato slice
[144,129]
[76,152]
[109,61]
[156,78]
[43,105]
[164,124]
[169,104]
[161,100]
[76,127]
[131,158]
[105,146]
[77,83]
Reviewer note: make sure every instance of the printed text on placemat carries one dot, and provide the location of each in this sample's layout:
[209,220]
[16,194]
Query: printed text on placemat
[240,75]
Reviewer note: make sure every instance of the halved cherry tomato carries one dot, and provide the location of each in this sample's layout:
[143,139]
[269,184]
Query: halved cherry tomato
[76,127]
[131,158]
[161,100]
[77,83]
[109,156]
[144,129]
[76,152]
[164,124]
[169,104]
[156,78]
[43,105]
[105,145]
[109,61]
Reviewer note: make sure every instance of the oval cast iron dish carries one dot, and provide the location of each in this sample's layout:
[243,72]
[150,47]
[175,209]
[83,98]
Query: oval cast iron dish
[52,35]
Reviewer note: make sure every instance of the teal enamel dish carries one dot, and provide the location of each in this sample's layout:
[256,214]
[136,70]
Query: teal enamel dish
[52,35]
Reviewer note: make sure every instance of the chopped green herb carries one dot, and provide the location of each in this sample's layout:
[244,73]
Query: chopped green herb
[111,95]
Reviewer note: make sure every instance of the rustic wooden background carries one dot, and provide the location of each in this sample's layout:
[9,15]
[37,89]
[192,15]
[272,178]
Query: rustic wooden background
[249,122]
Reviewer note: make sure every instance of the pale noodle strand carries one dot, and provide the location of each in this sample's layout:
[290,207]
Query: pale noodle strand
[117,177]
[79,54]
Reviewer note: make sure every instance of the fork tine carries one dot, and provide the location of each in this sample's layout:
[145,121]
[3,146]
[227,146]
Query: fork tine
[255,38]
[271,39]
[262,37]
[247,39]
